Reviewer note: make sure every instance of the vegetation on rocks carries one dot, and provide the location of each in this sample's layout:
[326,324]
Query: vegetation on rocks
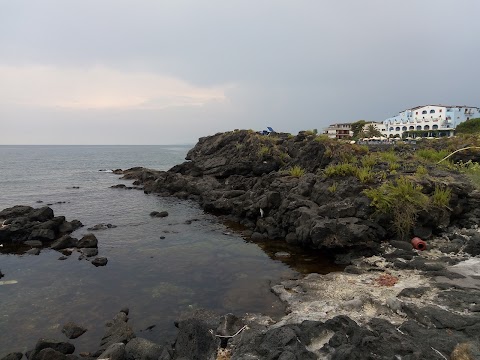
[345,196]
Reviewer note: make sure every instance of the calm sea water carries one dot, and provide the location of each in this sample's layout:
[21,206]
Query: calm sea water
[203,264]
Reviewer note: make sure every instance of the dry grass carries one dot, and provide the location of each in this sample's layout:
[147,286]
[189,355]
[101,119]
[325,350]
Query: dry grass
[224,354]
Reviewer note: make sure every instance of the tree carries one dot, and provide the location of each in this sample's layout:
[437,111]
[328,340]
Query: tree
[372,131]
[357,127]
[471,126]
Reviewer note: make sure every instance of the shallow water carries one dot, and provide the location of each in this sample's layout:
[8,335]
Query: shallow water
[204,264]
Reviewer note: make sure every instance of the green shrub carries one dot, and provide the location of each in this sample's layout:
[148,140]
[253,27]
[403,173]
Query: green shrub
[402,200]
[365,174]
[322,138]
[392,166]
[343,169]
[296,171]
[369,160]
[441,196]
[421,171]
[471,126]
[264,150]
[333,188]
[472,170]
[239,146]
[432,155]
[388,156]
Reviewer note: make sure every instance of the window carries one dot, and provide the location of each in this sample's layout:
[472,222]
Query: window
[419,127]
[432,111]
[426,127]
[397,128]
[391,129]
[404,128]
[424,111]
[411,128]
[416,112]
[440,110]
[435,127]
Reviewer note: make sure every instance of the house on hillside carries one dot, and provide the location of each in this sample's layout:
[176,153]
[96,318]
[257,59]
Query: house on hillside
[339,131]
[429,120]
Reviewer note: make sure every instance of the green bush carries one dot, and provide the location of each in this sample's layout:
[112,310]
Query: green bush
[333,188]
[369,160]
[441,197]
[472,170]
[365,174]
[296,171]
[432,155]
[264,150]
[343,169]
[402,200]
[471,126]
[388,156]
[421,171]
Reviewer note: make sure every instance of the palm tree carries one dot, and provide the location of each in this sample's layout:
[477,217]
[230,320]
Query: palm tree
[372,131]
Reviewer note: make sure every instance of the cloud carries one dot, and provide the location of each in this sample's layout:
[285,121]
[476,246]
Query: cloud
[99,87]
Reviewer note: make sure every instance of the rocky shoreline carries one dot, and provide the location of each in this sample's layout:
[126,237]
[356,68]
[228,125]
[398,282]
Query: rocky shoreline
[390,302]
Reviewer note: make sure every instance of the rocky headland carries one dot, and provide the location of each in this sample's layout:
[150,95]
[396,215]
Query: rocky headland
[361,205]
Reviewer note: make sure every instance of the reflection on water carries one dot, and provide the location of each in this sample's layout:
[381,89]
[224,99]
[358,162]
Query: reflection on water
[196,265]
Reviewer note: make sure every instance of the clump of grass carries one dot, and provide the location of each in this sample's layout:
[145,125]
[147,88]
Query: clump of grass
[264,150]
[365,174]
[441,196]
[322,138]
[348,157]
[421,171]
[343,169]
[402,200]
[296,171]
[333,188]
[432,155]
[393,166]
[239,146]
[369,160]
[472,170]
[388,156]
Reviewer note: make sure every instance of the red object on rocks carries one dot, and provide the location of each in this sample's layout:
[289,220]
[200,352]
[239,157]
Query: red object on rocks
[419,244]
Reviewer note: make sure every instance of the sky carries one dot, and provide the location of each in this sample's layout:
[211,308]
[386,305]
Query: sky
[169,72]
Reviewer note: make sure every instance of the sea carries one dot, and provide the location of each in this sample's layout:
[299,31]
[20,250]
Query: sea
[159,268]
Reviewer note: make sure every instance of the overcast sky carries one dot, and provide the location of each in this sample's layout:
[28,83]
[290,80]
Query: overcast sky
[169,72]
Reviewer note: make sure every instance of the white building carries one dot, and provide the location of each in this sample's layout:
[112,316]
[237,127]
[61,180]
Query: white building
[339,131]
[436,120]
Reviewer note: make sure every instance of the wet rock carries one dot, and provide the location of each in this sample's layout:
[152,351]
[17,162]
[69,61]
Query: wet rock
[66,241]
[195,341]
[42,235]
[114,352]
[49,354]
[88,241]
[118,331]
[89,252]
[119,186]
[63,257]
[34,251]
[1,274]
[142,349]
[100,261]
[160,214]
[101,226]
[72,330]
[12,356]
[60,347]
[33,243]
[473,245]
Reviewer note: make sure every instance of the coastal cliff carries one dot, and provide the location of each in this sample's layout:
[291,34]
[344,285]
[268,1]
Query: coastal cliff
[317,192]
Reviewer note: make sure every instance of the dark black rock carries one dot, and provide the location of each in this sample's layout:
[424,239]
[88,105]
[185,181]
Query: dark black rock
[101,227]
[49,354]
[195,341]
[89,252]
[143,349]
[160,214]
[72,330]
[473,245]
[114,352]
[403,245]
[33,243]
[88,241]
[413,292]
[118,331]
[66,241]
[100,261]
[12,356]
[34,251]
